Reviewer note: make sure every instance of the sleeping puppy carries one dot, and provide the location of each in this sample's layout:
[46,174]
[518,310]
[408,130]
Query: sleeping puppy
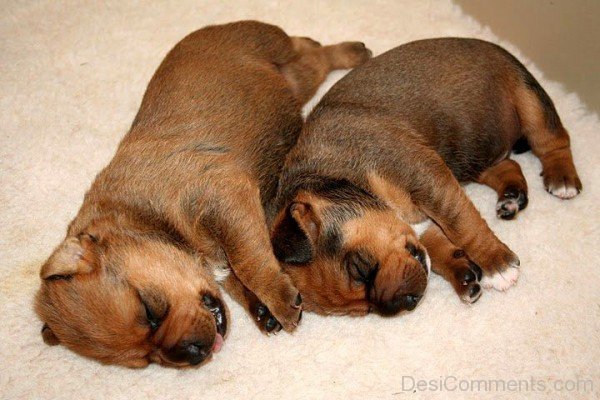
[383,154]
[182,200]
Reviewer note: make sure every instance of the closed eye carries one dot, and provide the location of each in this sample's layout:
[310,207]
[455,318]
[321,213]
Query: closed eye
[156,308]
[153,320]
[416,253]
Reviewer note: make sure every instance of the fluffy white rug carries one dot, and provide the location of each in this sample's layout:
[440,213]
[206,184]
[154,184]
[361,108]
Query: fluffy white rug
[72,75]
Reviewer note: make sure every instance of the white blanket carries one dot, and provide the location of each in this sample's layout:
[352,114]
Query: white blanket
[72,75]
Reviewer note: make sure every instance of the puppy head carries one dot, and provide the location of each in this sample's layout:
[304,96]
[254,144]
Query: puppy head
[349,254]
[130,301]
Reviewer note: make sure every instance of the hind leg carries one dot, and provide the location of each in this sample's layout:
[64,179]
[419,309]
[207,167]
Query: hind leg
[421,171]
[452,264]
[550,142]
[560,176]
[507,179]
[309,69]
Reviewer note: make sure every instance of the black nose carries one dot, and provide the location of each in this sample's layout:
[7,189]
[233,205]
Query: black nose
[398,303]
[410,301]
[192,353]
[196,353]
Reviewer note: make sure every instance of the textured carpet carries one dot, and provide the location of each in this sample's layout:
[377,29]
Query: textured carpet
[72,75]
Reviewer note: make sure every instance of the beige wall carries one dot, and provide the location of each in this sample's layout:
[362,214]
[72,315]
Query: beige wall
[561,36]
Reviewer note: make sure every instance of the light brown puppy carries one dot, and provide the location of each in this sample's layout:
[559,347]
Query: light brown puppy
[183,200]
[386,149]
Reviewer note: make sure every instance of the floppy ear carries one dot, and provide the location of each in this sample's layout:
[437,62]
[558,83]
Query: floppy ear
[295,233]
[76,255]
[49,337]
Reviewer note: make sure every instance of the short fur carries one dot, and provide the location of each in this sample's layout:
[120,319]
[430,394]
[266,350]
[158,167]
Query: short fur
[186,195]
[405,129]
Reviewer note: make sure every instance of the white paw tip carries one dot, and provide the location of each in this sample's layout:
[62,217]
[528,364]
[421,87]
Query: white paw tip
[564,192]
[501,280]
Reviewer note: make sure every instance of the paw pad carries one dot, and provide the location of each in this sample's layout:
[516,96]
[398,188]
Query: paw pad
[468,277]
[511,202]
[265,320]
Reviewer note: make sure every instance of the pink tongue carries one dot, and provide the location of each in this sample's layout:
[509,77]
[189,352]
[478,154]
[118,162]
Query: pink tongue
[218,343]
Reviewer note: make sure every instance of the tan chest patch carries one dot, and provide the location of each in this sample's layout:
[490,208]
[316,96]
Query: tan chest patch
[397,198]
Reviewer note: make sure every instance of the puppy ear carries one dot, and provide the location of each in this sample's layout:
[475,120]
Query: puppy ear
[76,255]
[49,337]
[295,233]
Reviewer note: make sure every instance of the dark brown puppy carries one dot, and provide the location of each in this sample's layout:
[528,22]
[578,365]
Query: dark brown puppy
[386,148]
[183,199]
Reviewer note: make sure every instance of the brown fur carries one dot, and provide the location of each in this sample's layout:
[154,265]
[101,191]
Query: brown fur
[453,264]
[187,193]
[394,139]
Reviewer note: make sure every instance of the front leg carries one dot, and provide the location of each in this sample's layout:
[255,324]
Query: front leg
[433,188]
[452,264]
[260,314]
[233,216]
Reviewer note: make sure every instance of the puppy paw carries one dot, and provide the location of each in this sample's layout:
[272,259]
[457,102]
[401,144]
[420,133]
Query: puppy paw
[350,54]
[501,280]
[284,303]
[560,179]
[466,277]
[500,268]
[565,188]
[511,202]
[265,321]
